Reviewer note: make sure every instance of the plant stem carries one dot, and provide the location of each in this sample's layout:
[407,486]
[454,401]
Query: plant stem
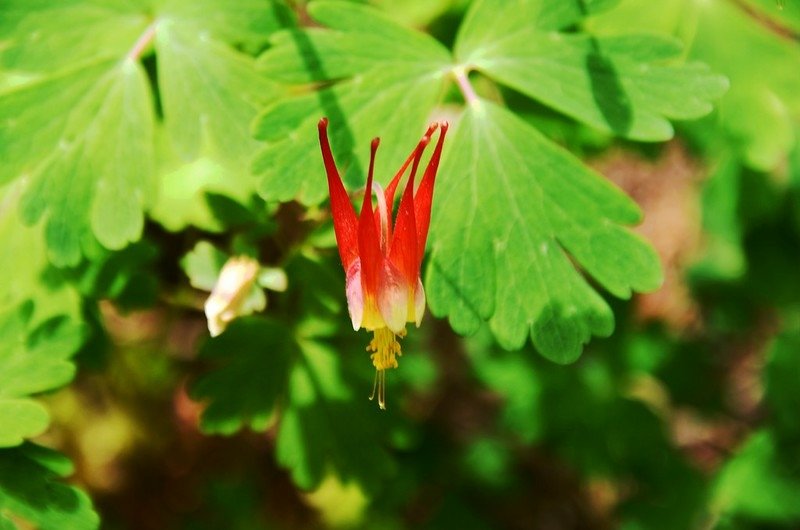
[460,74]
[143,42]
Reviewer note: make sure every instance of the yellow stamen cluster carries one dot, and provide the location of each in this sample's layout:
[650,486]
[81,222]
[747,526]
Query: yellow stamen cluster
[386,349]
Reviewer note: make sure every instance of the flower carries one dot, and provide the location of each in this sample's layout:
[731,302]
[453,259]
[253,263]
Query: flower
[227,299]
[382,260]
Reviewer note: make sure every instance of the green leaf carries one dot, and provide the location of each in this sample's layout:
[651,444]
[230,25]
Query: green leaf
[758,112]
[126,276]
[31,492]
[187,192]
[237,22]
[723,258]
[252,362]
[396,77]
[258,366]
[512,210]
[761,110]
[25,253]
[45,36]
[754,483]
[84,138]
[210,94]
[625,84]
[782,373]
[81,126]
[202,265]
[512,376]
[32,361]
[325,428]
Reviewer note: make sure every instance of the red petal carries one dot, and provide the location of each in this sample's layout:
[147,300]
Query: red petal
[403,251]
[424,196]
[344,217]
[390,189]
[369,248]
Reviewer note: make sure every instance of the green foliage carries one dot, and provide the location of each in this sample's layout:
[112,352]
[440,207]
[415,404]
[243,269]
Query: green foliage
[560,311]
[325,428]
[30,491]
[757,115]
[252,359]
[551,301]
[266,369]
[754,484]
[145,143]
[624,84]
[89,151]
[397,77]
[31,361]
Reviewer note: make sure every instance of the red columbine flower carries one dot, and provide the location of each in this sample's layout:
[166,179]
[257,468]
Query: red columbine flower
[381,261]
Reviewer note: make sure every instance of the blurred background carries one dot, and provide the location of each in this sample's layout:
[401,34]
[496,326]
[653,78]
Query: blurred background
[686,417]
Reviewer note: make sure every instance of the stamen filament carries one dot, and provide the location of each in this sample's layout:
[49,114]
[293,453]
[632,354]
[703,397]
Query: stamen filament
[386,349]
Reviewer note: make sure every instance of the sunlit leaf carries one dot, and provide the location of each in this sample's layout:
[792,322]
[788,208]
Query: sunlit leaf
[503,250]
[32,361]
[623,84]
[397,77]
[80,128]
[758,112]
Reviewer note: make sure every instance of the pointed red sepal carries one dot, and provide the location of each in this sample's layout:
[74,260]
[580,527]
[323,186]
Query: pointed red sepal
[345,223]
[369,248]
[392,187]
[403,250]
[423,199]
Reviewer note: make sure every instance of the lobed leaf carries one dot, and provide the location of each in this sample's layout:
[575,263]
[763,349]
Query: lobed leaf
[512,211]
[252,361]
[30,492]
[32,361]
[320,432]
[80,124]
[625,85]
[758,113]
[396,77]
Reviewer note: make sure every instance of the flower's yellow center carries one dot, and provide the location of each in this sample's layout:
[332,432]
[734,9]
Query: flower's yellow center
[386,349]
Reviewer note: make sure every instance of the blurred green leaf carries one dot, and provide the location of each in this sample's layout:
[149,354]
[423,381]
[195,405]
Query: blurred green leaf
[325,428]
[187,191]
[723,257]
[30,492]
[32,361]
[782,390]
[531,207]
[202,265]
[512,376]
[127,276]
[623,84]
[397,77]
[753,484]
[251,361]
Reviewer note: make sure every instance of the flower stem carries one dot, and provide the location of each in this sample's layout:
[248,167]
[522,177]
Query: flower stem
[465,86]
[143,42]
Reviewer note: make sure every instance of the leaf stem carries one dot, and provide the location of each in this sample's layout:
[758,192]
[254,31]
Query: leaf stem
[770,23]
[460,75]
[143,41]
